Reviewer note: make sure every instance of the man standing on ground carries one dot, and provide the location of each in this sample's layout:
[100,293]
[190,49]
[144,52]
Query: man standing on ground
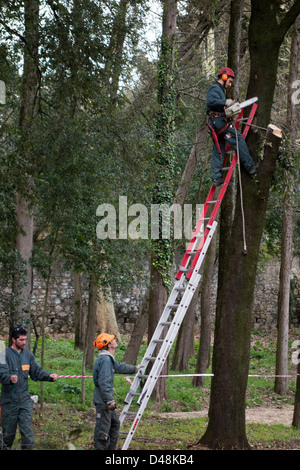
[107,422]
[16,404]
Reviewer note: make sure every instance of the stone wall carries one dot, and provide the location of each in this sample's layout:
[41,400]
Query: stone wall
[60,317]
[266,296]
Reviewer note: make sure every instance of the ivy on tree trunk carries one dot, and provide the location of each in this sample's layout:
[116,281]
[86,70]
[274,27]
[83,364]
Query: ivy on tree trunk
[163,192]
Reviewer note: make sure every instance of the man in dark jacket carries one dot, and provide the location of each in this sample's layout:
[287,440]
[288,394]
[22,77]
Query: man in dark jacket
[107,422]
[224,129]
[16,405]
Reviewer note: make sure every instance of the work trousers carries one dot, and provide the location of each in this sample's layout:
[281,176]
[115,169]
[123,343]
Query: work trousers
[107,427]
[13,415]
[228,136]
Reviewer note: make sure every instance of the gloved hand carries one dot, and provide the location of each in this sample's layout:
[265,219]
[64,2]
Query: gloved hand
[138,367]
[229,102]
[111,405]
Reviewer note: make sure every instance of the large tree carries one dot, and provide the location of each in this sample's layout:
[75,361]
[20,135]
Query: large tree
[164,166]
[24,200]
[226,427]
[287,227]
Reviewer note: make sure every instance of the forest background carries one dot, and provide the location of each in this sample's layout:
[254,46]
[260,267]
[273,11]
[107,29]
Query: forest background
[93,111]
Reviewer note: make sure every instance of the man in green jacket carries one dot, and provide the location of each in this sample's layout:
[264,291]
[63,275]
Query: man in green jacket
[223,128]
[16,405]
[107,422]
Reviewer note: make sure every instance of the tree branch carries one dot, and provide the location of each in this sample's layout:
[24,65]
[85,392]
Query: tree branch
[289,18]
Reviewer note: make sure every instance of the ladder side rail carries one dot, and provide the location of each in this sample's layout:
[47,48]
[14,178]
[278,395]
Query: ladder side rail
[157,366]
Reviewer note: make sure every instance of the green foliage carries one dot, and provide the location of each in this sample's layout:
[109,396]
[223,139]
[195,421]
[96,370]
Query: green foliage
[87,151]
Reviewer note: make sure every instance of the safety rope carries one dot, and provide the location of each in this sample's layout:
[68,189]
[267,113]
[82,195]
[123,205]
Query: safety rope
[241,191]
[193,375]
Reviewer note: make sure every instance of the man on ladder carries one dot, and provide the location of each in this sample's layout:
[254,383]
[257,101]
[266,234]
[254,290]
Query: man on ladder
[221,128]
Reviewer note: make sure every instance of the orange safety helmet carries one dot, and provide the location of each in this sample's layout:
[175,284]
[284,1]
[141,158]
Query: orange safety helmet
[102,340]
[225,72]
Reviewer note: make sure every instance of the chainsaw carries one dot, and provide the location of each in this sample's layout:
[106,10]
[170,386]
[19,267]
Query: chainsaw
[236,107]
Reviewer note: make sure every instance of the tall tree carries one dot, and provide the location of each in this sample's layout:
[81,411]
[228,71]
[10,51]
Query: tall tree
[226,427]
[282,350]
[164,167]
[24,206]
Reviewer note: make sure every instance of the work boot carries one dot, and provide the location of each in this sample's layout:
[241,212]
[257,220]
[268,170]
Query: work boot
[253,170]
[218,182]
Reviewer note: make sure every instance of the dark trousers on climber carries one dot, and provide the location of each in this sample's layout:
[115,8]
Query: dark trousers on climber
[236,141]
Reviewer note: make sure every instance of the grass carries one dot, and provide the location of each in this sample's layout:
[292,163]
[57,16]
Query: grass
[65,422]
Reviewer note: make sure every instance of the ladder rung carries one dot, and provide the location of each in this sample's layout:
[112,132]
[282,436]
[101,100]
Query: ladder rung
[150,358]
[180,289]
[165,323]
[130,413]
[173,306]
[211,202]
[133,393]
[158,340]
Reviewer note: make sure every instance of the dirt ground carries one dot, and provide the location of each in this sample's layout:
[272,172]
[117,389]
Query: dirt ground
[282,414]
[277,414]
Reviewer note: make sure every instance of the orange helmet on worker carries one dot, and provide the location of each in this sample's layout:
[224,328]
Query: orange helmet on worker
[103,340]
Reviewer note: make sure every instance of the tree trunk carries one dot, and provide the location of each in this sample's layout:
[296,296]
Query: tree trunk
[78,313]
[185,338]
[113,63]
[90,333]
[91,322]
[234,42]
[136,337]
[164,160]
[157,302]
[24,207]
[105,312]
[282,351]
